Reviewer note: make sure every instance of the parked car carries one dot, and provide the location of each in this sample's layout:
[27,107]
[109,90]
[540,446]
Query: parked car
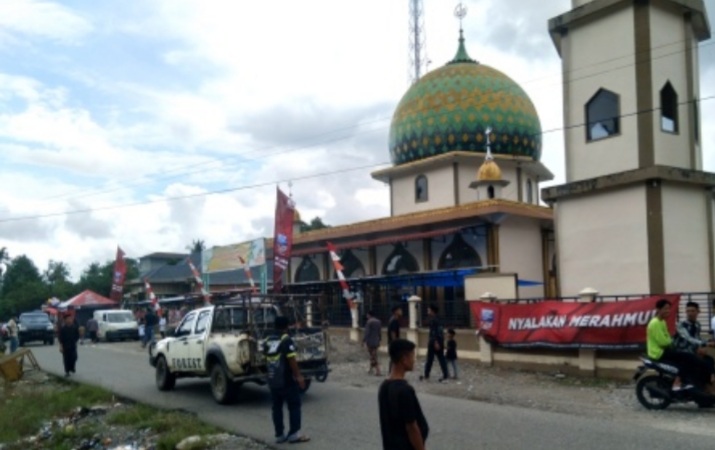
[116,324]
[35,326]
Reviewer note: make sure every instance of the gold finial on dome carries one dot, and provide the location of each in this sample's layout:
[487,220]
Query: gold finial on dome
[489,170]
[296,215]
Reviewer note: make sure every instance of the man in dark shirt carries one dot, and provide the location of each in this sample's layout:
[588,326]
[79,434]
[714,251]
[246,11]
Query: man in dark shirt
[68,338]
[285,384]
[393,326]
[402,423]
[435,344]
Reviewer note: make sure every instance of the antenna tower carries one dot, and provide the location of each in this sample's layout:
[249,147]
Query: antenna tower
[418,59]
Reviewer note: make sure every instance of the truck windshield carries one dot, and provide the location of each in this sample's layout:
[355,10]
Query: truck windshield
[34,318]
[122,317]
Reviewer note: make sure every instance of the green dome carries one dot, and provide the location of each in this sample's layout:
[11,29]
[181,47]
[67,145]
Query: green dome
[450,108]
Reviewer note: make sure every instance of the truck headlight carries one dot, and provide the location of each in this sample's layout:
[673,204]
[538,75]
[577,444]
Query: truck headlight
[21,327]
[50,327]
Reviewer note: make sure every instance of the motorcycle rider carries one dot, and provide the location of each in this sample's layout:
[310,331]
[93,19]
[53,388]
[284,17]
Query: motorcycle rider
[660,348]
[688,336]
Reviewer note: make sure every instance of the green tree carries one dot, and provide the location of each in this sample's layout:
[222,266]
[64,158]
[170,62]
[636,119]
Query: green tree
[98,277]
[315,224]
[57,280]
[23,288]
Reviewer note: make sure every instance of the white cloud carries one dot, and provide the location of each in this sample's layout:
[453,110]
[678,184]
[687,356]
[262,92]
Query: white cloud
[43,19]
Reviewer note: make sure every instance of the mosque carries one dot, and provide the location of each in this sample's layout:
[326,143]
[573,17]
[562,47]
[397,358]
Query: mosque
[635,215]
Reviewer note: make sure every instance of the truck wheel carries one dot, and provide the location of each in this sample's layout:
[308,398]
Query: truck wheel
[307,386]
[165,380]
[222,388]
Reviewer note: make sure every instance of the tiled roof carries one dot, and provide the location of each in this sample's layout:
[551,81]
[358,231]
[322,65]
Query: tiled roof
[431,217]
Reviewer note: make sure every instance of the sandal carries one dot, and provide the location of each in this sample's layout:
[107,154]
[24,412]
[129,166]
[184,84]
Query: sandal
[299,439]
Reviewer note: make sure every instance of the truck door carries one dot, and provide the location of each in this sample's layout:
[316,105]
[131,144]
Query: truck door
[179,351]
[197,341]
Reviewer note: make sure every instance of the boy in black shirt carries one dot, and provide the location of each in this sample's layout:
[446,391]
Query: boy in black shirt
[402,423]
[68,337]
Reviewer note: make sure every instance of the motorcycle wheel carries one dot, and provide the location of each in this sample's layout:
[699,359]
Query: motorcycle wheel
[653,392]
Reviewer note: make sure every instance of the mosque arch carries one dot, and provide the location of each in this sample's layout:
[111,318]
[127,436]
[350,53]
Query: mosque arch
[352,266]
[603,112]
[307,271]
[459,254]
[421,189]
[668,109]
[400,260]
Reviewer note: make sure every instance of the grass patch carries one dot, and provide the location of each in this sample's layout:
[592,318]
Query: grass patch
[27,410]
[172,426]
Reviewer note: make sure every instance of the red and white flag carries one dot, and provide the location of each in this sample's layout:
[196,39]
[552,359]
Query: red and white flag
[199,282]
[247,269]
[282,238]
[150,295]
[347,294]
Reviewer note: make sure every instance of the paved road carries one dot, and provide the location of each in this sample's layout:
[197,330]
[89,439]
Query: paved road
[344,417]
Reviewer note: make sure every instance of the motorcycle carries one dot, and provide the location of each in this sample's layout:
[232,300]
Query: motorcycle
[655,391]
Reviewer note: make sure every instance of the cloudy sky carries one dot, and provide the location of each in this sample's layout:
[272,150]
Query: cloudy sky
[118,117]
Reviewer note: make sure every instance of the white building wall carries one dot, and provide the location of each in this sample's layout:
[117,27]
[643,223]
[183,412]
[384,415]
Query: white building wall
[685,230]
[602,243]
[594,59]
[440,191]
[520,252]
[669,64]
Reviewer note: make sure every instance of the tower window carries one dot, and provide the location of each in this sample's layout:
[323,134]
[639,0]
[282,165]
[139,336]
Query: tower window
[668,109]
[421,189]
[529,192]
[490,191]
[602,115]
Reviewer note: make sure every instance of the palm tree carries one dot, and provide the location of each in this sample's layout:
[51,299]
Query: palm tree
[197,246]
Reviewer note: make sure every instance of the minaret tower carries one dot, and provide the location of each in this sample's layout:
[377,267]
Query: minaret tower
[636,214]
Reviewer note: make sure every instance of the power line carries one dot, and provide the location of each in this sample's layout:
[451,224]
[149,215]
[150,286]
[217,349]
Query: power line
[299,178]
[197,168]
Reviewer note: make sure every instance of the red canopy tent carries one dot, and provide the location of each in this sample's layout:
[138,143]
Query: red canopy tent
[88,299]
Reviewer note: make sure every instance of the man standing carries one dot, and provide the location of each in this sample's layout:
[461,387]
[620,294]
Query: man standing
[435,344]
[68,337]
[12,334]
[150,322]
[285,382]
[402,423]
[92,328]
[371,339]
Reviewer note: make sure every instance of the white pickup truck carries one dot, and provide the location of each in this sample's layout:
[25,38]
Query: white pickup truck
[224,343]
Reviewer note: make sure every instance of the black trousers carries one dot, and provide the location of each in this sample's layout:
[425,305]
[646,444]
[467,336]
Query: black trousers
[431,353]
[692,368]
[69,358]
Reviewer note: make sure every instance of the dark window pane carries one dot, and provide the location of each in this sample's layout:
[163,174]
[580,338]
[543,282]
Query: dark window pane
[669,109]
[602,115]
[421,189]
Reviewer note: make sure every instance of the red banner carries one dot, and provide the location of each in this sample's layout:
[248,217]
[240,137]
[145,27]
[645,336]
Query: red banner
[282,238]
[555,324]
[120,272]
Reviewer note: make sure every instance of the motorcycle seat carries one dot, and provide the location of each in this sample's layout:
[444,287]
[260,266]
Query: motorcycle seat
[659,366]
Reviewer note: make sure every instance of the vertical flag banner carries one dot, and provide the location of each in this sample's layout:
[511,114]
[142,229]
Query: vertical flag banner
[120,272]
[347,295]
[199,282]
[152,298]
[282,237]
[247,269]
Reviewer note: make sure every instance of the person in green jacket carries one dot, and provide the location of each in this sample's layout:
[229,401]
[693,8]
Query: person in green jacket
[660,348]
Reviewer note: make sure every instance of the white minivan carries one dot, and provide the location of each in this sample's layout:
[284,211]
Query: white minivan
[116,324]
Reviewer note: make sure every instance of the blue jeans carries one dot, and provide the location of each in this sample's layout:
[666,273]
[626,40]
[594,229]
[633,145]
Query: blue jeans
[453,364]
[14,344]
[291,396]
[148,335]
